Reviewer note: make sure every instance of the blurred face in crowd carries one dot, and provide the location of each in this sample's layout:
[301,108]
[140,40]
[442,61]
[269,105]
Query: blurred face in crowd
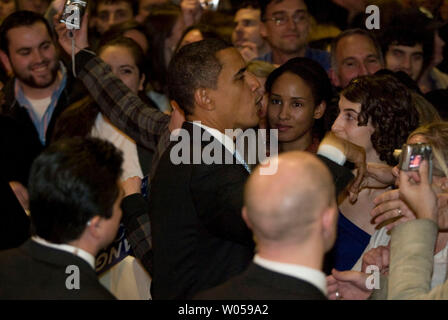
[6,8]
[32,55]
[346,125]
[144,7]
[123,66]
[355,55]
[238,95]
[406,59]
[109,14]
[39,6]
[247,27]
[192,36]
[291,107]
[286,26]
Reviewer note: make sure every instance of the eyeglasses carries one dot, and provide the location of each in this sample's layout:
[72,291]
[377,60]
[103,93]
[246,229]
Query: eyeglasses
[282,18]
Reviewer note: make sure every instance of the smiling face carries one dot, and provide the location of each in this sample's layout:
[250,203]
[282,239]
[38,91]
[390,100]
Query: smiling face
[291,108]
[346,126]
[123,66]
[238,95]
[289,37]
[33,56]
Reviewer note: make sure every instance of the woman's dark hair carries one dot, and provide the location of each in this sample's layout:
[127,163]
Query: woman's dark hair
[119,30]
[387,103]
[310,71]
[206,31]
[315,77]
[158,27]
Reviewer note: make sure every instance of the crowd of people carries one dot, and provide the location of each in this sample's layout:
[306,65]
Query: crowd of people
[107,132]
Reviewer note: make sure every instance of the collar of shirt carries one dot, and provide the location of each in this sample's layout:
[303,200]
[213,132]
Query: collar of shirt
[218,135]
[41,124]
[313,276]
[90,259]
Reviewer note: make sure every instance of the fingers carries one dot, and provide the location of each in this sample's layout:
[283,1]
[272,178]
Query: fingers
[387,196]
[423,171]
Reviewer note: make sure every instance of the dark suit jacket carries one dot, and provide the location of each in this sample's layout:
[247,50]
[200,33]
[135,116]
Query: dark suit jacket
[199,237]
[258,283]
[34,271]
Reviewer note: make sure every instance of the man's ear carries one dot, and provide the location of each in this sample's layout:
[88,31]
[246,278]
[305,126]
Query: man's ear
[142,81]
[246,218]
[334,78]
[320,110]
[6,62]
[203,100]
[94,227]
[329,226]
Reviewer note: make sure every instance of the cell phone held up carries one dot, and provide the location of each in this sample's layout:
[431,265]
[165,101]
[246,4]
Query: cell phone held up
[412,156]
[73,12]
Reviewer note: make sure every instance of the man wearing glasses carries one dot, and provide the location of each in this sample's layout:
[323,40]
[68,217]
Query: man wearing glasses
[286,25]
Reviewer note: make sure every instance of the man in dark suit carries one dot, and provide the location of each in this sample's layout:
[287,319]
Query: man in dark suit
[199,238]
[74,199]
[293,216]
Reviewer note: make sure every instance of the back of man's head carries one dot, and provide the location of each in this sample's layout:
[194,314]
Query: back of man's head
[19,19]
[194,66]
[283,208]
[72,181]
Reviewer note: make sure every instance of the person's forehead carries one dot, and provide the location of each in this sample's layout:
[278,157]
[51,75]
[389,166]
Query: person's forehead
[247,14]
[286,5]
[230,59]
[418,48]
[22,31]
[355,45]
[344,103]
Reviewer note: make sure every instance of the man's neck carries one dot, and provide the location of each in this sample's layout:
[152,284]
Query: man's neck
[39,93]
[309,255]
[211,123]
[280,58]
[264,49]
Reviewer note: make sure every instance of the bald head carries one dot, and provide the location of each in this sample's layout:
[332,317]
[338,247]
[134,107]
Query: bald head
[285,206]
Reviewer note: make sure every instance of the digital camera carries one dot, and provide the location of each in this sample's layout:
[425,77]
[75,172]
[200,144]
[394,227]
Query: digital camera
[412,155]
[211,5]
[73,12]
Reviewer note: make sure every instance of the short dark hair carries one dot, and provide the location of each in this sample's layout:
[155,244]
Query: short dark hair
[194,66]
[388,104]
[248,4]
[72,181]
[309,70]
[95,3]
[350,32]
[409,28]
[20,19]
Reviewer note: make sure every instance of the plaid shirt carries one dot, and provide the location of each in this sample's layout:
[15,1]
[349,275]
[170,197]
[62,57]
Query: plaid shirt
[147,126]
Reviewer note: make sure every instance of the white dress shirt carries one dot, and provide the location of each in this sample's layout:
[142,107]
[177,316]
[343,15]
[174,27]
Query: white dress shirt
[313,276]
[87,257]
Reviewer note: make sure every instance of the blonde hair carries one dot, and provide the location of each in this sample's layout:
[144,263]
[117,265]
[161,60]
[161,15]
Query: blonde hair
[436,134]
